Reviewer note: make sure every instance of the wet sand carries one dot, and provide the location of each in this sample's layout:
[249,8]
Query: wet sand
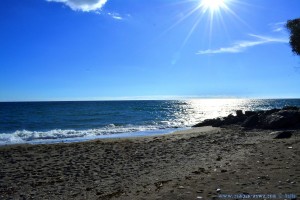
[200,163]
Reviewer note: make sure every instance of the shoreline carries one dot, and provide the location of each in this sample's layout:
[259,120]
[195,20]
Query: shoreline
[136,134]
[187,164]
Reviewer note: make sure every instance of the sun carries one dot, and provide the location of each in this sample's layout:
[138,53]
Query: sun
[212,5]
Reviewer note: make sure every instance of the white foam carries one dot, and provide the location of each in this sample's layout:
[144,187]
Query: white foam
[58,135]
[10,139]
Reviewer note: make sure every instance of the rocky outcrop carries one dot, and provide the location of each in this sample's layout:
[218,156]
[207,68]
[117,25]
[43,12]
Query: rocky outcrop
[287,117]
[283,134]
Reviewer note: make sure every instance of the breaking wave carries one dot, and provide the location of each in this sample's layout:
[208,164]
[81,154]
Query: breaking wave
[59,135]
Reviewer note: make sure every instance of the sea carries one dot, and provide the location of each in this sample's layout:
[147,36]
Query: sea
[75,121]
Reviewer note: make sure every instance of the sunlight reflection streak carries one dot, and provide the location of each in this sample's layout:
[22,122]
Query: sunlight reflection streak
[191,31]
[181,20]
[230,11]
[223,25]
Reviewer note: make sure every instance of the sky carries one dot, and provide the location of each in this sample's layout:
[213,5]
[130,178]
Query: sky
[139,49]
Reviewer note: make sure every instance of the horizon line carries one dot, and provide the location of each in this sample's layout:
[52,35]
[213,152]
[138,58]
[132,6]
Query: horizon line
[147,99]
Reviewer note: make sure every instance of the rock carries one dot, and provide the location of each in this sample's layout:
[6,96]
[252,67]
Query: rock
[288,117]
[230,119]
[251,121]
[289,113]
[181,187]
[269,112]
[283,134]
[218,190]
[274,121]
[250,113]
[282,119]
[290,108]
[210,122]
[199,171]
[239,113]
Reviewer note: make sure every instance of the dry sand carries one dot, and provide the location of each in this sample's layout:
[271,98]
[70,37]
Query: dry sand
[189,164]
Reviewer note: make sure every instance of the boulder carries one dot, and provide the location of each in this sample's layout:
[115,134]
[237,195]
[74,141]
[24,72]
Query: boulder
[274,121]
[250,113]
[210,122]
[251,122]
[230,119]
[290,108]
[289,113]
[283,134]
[239,113]
[292,117]
[269,112]
[282,119]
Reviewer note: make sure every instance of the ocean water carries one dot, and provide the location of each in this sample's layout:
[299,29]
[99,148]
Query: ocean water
[51,122]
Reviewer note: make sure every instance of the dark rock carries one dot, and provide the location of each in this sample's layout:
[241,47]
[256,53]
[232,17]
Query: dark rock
[275,121]
[199,171]
[288,113]
[239,113]
[260,112]
[251,121]
[282,119]
[284,134]
[230,119]
[209,122]
[288,117]
[269,112]
[218,122]
[250,113]
[290,108]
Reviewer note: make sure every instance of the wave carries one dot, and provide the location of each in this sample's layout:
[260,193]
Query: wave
[58,135]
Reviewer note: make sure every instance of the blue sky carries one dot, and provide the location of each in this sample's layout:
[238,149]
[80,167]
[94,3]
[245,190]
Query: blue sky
[134,49]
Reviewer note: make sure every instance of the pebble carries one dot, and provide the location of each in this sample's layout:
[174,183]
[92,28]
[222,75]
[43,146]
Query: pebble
[218,190]
[181,187]
[199,197]
[219,158]
[290,147]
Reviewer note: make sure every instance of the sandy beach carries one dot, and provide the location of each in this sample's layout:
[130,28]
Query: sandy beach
[199,163]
